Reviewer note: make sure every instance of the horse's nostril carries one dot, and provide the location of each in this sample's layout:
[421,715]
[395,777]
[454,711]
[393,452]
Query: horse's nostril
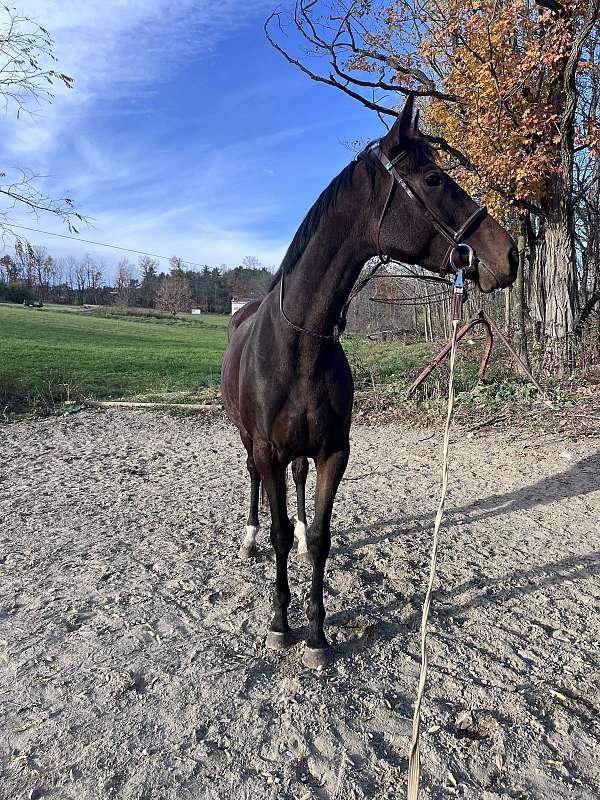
[513,259]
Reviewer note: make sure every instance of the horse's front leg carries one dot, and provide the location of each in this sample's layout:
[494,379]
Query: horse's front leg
[330,470]
[272,474]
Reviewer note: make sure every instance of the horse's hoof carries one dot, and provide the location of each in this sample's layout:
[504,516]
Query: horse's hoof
[280,641]
[245,553]
[304,558]
[317,658]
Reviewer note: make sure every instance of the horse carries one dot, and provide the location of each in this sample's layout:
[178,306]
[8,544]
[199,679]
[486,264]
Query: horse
[286,382]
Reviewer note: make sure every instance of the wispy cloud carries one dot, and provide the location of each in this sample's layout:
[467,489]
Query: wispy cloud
[120,53]
[118,42]
[160,165]
[117,46]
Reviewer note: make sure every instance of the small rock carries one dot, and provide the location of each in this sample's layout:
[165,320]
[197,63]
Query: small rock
[465,721]
[34,794]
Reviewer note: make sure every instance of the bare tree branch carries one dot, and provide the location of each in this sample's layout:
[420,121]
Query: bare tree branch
[28,78]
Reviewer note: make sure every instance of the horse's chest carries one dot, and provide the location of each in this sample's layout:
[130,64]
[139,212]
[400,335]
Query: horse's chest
[309,421]
[298,410]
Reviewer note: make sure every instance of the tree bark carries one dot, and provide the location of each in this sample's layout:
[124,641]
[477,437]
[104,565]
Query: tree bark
[560,279]
[561,268]
[537,263]
[507,309]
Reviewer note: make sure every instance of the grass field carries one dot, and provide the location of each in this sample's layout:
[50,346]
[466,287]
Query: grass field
[47,355]
[57,353]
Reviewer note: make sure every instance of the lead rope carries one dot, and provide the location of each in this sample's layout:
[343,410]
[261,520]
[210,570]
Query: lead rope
[414,759]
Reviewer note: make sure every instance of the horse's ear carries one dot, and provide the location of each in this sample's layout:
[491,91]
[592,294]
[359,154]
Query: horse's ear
[414,128]
[402,128]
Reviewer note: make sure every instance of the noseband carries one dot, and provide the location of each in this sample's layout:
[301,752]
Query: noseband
[454,237]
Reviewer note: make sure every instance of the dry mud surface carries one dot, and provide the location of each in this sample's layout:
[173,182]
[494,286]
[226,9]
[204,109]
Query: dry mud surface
[132,662]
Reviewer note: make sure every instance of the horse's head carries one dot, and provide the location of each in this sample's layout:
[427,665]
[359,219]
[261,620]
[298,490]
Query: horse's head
[424,202]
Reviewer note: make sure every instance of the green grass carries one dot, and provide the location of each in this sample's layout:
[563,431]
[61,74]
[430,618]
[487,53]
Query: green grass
[140,314]
[384,362]
[59,352]
[48,355]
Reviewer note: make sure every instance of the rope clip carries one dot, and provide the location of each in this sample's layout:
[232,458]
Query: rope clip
[459,295]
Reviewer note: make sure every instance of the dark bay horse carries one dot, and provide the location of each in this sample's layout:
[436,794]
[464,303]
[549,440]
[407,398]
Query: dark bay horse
[286,382]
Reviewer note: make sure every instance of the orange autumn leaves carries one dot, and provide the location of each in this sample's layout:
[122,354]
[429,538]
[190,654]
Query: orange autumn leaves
[503,61]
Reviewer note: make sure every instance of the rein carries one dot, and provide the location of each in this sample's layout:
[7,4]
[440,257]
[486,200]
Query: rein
[453,237]
[414,757]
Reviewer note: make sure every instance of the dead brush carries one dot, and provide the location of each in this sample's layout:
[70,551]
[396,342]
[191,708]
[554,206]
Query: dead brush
[41,398]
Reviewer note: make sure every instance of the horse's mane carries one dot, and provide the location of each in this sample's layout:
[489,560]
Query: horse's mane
[418,151]
[311,221]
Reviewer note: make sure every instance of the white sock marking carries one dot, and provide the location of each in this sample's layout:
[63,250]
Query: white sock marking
[250,537]
[300,534]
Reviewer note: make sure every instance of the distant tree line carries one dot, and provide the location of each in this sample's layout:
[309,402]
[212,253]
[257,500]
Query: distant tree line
[393,304]
[31,274]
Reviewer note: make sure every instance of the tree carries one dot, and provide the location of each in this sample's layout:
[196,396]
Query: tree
[174,294]
[43,268]
[93,278]
[8,269]
[125,282]
[148,269]
[27,77]
[24,260]
[247,281]
[176,264]
[251,262]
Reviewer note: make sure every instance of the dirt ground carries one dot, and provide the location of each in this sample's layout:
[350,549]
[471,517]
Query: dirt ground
[132,662]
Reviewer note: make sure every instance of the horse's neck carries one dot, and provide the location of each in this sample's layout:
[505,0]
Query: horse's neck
[320,284]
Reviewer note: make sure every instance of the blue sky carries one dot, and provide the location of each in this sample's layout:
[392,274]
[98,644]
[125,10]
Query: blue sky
[185,133]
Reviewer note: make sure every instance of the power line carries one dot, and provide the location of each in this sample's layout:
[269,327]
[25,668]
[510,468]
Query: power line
[102,244]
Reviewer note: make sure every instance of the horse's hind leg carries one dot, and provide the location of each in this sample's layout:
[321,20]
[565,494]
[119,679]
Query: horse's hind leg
[330,470]
[248,547]
[299,473]
[272,474]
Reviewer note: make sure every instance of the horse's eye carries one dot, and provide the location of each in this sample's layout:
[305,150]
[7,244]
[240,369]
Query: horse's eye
[434,179]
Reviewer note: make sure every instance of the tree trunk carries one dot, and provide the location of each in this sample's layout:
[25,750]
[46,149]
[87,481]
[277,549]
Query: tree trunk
[560,281]
[560,276]
[536,294]
[507,309]
[561,267]
[428,327]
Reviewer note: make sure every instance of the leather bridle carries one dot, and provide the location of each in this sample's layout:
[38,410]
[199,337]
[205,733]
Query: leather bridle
[455,238]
